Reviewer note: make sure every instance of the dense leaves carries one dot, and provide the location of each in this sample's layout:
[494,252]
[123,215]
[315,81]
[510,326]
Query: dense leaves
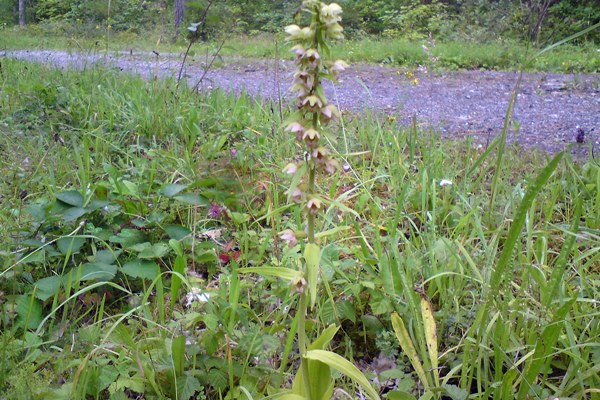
[541,21]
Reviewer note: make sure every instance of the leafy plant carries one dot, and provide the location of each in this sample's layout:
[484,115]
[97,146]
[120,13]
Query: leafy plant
[314,379]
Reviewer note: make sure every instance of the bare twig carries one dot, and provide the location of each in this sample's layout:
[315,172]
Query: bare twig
[194,38]
[209,66]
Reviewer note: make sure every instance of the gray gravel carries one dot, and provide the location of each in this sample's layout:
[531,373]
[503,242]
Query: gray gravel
[550,108]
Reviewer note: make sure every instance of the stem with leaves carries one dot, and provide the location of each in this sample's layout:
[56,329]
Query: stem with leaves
[308,124]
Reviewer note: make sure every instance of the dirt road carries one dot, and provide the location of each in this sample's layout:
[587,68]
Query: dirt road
[550,111]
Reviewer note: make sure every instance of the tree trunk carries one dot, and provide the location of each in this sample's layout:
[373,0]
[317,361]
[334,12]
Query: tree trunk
[179,13]
[21,12]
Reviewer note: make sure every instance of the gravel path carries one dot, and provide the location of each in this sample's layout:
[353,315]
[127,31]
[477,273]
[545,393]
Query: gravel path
[550,110]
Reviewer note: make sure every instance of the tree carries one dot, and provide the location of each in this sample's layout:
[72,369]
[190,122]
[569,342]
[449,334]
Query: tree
[179,14]
[21,12]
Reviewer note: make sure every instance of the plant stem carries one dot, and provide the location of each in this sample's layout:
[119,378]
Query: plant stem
[311,217]
[302,344]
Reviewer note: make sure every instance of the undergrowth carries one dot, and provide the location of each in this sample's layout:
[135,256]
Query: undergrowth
[452,55]
[127,209]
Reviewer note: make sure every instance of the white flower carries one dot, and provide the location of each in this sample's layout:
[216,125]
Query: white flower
[335,31]
[292,30]
[445,182]
[330,14]
[195,296]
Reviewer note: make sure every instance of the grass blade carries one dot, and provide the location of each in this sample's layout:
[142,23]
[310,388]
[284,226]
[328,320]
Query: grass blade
[276,272]
[517,225]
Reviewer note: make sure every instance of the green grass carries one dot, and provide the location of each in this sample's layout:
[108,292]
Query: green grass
[112,175]
[501,55]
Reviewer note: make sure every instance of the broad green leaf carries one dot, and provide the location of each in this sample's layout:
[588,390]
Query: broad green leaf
[48,287]
[312,254]
[320,377]
[380,303]
[455,392]
[173,189]
[144,269]
[32,243]
[290,396]
[150,251]
[372,324]
[187,386]
[29,310]
[97,271]
[346,310]
[36,256]
[131,188]
[277,272]
[96,204]
[105,256]
[321,381]
[397,395]
[71,197]
[218,378]
[193,199]
[129,237]
[70,244]
[344,366]
[135,384]
[239,218]
[177,232]
[430,329]
[407,346]
[107,375]
[73,213]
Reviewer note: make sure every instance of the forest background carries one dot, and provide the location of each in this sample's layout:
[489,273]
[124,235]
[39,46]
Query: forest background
[531,21]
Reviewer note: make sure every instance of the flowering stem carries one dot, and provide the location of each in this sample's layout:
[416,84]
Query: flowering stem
[314,114]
